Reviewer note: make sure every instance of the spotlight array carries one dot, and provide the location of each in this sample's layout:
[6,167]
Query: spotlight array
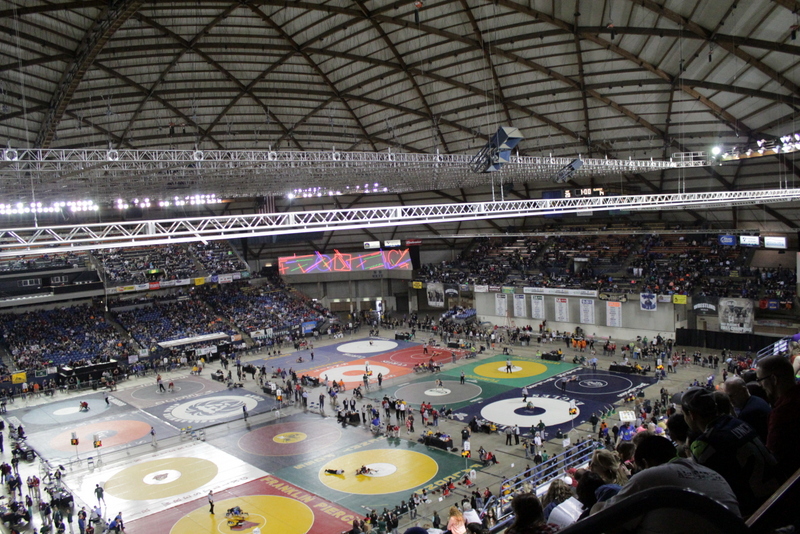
[55,207]
[762,147]
[311,192]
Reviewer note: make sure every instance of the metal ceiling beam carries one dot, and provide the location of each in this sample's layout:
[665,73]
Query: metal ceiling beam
[54,239]
[93,41]
[300,51]
[487,56]
[402,64]
[731,47]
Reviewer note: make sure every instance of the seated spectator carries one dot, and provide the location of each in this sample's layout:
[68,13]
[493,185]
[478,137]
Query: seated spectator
[605,464]
[655,457]
[557,493]
[529,516]
[752,410]
[731,448]
[776,375]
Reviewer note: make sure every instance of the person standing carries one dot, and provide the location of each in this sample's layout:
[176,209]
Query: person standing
[244,412]
[525,394]
[776,376]
[380,380]
[211,502]
[516,435]
[160,384]
[105,398]
[98,491]
[321,401]
[462,377]
[593,420]
[82,520]
[153,436]
[508,431]
[508,365]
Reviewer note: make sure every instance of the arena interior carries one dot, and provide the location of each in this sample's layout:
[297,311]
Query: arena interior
[289,267]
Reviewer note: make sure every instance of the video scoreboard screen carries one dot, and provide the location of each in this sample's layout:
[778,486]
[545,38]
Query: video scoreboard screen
[342,262]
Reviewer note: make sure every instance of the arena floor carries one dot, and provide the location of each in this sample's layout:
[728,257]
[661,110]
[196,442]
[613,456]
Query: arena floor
[273,465]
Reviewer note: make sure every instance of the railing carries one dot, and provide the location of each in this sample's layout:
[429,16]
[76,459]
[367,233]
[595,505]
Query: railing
[542,475]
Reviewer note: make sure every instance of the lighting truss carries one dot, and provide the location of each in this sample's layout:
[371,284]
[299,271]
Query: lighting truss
[105,175]
[40,240]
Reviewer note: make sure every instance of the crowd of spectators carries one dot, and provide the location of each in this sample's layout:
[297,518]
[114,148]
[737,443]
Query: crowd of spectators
[67,260]
[668,264]
[70,335]
[166,321]
[259,307]
[131,265]
[217,257]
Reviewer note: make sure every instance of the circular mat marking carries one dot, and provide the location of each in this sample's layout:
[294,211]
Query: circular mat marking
[514,369]
[508,412]
[67,410]
[165,476]
[364,347]
[262,441]
[595,383]
[437,392]
[458,392]
[381,470]
[355,373]
[289,437]
[130,483]
[211,409]
[269,513]
[111,433]
[182,387]
[64,412]
[520,369]
[412,469]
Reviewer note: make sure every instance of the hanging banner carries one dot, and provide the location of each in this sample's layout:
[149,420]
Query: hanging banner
[451,291]
[648,302]
[613,313]
[481,288]
[704,305]
[436,295]
[562,309]
[587,311]
[679,299]
[736,315]
[19,377]
[464,288]
[665,298]
[519,306]
[501,304]
[508,289]
[537,306]
[416,285]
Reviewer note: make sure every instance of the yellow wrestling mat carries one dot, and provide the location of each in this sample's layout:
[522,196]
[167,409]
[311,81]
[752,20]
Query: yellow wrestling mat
[270,513]
[158,479]
[393,470]
[519,369]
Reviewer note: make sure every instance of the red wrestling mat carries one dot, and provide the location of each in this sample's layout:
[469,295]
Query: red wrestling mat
[411,356]
[352,373]
[271,504]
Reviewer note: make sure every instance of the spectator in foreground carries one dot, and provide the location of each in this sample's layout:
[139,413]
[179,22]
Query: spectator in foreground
[529,516]
[776,376]
[659,466]
[731,448]
[751,409]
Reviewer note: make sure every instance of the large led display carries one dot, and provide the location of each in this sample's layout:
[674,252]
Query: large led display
[339,262]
